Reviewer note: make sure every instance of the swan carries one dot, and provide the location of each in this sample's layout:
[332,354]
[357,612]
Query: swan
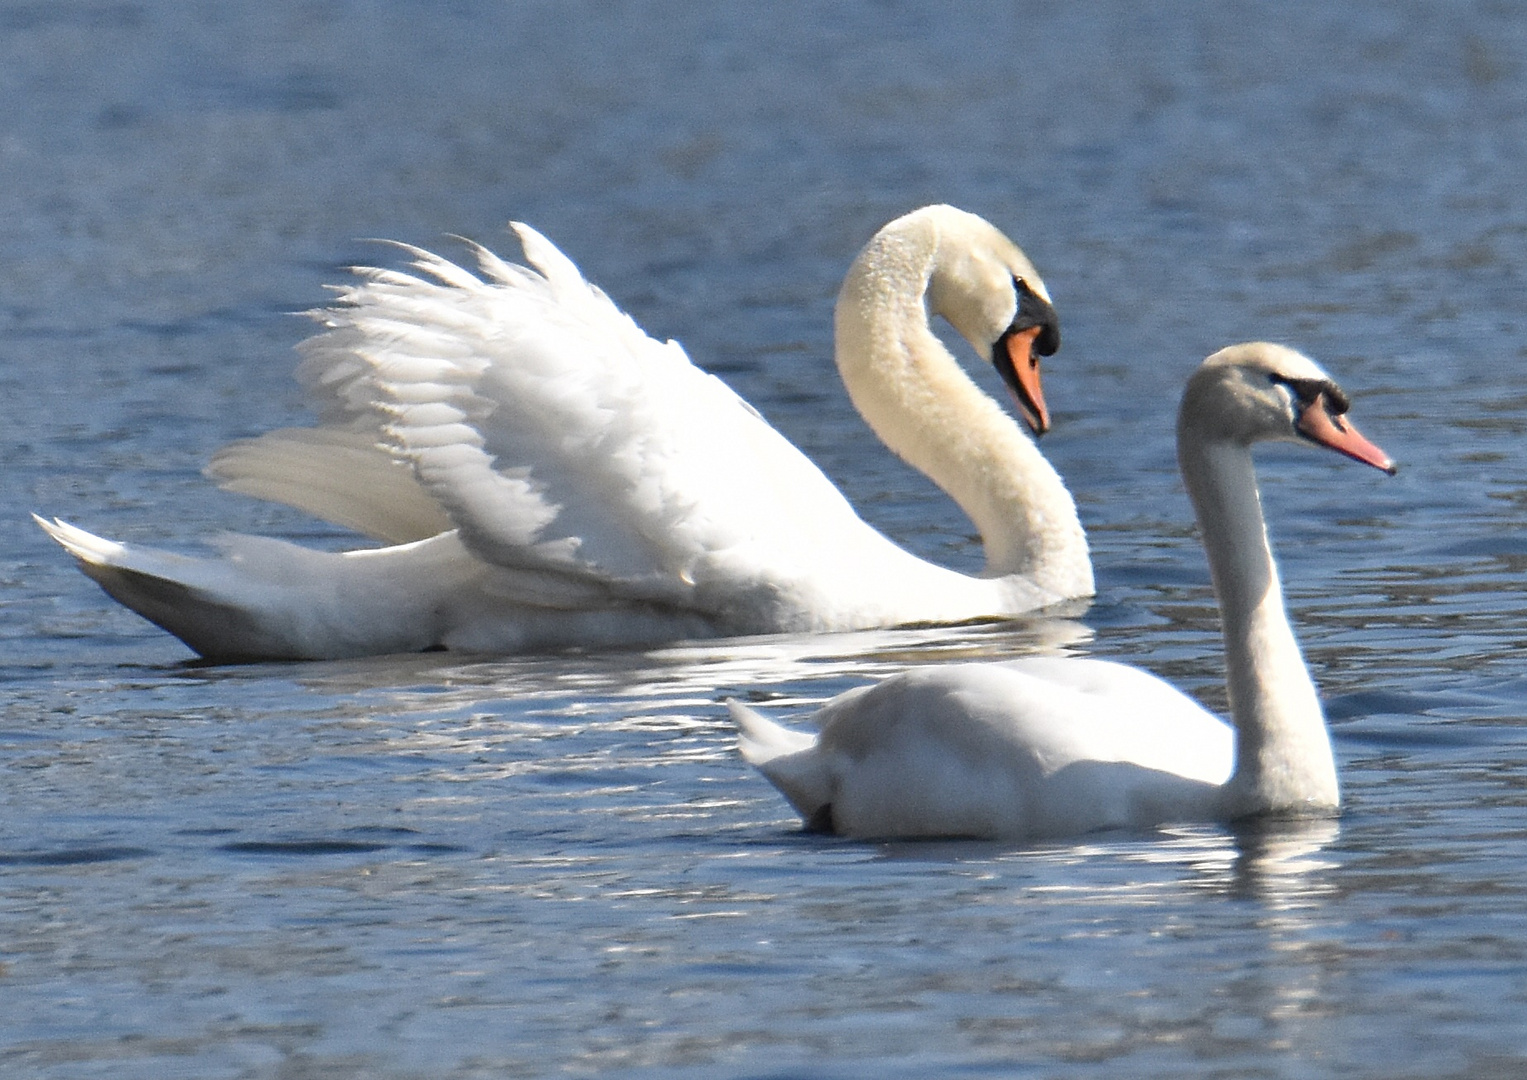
[1049,747]
[542,473]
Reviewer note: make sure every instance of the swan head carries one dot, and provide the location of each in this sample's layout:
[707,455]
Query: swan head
[994,298]
[1260,392]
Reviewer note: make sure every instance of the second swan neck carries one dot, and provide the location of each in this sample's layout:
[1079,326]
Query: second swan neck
[1283,751]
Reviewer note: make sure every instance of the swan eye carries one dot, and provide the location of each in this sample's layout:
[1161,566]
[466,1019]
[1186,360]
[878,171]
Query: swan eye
[1035,310]
[1308,391]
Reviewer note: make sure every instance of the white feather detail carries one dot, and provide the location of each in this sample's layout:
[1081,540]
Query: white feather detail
[552,475]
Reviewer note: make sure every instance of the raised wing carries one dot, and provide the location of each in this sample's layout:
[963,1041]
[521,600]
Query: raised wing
[545,426]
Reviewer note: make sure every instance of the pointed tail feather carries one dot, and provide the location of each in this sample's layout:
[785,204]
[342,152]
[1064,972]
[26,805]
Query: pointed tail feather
[790,760]
[96,553]
[163,588]
[270,600]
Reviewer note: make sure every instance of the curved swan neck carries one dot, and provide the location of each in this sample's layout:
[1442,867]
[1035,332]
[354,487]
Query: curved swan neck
[1283,750]
[923,406]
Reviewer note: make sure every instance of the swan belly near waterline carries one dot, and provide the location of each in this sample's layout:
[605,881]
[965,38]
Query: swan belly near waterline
[825,587]
[269,599]
[1028,749]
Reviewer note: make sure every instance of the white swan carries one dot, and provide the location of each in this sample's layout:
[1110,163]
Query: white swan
[547,474]
[1051,747]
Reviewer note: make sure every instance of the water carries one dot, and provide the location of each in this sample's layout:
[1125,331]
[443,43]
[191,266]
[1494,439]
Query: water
[448,866]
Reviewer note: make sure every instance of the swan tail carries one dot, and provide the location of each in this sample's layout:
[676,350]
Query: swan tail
[263,600]
[790,760]
[160,586]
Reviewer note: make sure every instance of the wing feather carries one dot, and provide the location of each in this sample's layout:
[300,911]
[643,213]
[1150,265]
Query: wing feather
[534,416]
[336,474]
[555,433]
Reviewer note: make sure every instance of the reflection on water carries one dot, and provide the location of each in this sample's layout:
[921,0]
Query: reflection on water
[694,672]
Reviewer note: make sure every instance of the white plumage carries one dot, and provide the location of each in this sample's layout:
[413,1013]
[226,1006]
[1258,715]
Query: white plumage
[1053,747]
[547,474]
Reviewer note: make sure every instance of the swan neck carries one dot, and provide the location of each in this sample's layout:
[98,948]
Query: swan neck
[922,405]
[1283,750]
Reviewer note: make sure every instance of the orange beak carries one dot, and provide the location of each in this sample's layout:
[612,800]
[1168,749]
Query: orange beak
[1317,424]
[1018,365]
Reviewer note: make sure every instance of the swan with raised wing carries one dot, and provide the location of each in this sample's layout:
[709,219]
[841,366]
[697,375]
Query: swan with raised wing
[543,473]
[1050,747]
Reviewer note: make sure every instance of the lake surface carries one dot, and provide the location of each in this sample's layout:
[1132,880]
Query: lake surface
[454,866]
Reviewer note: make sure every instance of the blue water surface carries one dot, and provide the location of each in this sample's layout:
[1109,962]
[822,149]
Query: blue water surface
[456,866]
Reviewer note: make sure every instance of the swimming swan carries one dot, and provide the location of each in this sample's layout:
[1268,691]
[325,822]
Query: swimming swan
[546,474]
[1052,747]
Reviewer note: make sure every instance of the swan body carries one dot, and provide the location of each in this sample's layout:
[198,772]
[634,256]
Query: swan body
[543,473]
[1051,747]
